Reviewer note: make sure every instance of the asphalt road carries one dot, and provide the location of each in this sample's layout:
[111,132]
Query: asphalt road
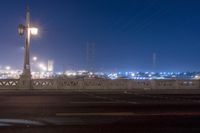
[98,112]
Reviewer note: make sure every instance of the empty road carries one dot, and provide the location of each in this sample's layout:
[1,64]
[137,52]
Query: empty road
[82,111]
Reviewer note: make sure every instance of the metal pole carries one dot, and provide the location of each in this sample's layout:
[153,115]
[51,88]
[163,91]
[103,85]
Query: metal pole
[26,71]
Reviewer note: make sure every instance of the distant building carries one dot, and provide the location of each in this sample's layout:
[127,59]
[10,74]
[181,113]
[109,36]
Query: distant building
[50,66]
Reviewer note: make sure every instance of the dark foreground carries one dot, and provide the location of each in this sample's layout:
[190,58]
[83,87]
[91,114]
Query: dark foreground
[98,112]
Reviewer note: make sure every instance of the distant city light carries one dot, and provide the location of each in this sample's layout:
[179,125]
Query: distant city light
[34,58]
[7,67]
[42,67]
[42,71]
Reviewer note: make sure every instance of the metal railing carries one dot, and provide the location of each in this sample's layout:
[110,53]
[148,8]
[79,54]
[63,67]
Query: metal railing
[98,84]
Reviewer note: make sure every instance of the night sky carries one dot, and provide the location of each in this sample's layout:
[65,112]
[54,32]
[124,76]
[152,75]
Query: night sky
[126,33]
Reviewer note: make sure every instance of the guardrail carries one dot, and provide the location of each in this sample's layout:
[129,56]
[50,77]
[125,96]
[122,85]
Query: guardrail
[98,84]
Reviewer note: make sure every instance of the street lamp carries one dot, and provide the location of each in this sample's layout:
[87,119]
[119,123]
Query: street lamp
[27,30]
[30,31]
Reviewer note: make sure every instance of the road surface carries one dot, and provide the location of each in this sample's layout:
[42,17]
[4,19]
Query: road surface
[87,112]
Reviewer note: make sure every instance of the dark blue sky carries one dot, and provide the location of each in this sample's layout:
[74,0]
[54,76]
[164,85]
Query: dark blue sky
[126,33]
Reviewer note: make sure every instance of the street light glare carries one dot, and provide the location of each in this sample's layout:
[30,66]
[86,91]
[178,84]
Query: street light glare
[34,31]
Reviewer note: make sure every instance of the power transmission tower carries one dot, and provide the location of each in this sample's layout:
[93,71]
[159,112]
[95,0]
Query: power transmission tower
[154,61]
[90,57]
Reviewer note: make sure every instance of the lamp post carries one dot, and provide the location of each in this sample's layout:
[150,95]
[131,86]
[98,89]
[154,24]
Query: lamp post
[28,31]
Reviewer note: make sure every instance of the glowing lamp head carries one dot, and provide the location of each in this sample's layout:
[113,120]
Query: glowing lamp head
[34,31]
